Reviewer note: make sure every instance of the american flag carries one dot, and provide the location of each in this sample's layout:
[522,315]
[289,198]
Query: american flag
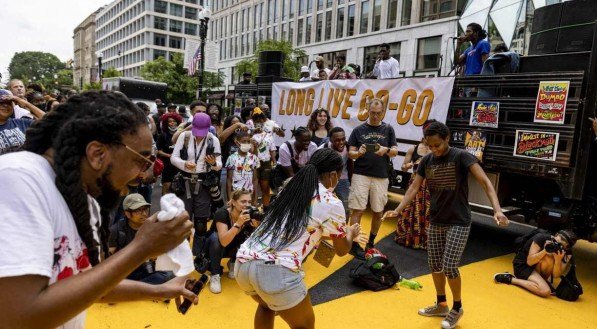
[195,62]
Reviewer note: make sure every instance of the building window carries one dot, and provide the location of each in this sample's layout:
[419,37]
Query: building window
[175,26]
[319,4]
[364,17]
[340,23]
[291,31]
[158,53]
[328,25]
[190,29]
[392,13]
[190,13]
[160,6]
[160,23]
[371,53]
[428,52]
[351,20]
[301,7]
[176,10]
[299,39]
[175,42]
[308,26]
[319,26]
[159,40]
[276,11]
[436,9]
[407,6]
[192,1]
[309,6]
[376,15]
[330,58]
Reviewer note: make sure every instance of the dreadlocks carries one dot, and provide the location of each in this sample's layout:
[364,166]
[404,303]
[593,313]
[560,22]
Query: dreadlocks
[92,116]
[287,217]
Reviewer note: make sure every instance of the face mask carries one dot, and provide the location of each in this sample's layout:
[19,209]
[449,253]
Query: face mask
[332,184]
[172,129]
[245,148]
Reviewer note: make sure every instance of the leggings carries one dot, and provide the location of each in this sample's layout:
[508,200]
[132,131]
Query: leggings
[445,246]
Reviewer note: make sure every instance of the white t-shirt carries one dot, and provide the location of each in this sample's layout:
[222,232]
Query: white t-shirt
[301,158]
[265,144]
[22,113]
[201,164]
[326,219]
[315,73]
[242,169]
[387,69]
[39,235]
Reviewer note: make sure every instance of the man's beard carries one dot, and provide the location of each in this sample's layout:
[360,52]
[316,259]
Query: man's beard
[110,195]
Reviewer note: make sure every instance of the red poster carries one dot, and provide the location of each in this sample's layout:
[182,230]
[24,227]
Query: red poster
[551,101]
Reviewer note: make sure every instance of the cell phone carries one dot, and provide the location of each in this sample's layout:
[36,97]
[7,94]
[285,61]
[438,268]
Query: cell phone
[371,148]
[196,289]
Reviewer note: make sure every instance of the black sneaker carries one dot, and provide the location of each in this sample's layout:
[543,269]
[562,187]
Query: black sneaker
[357,251]
[503,278]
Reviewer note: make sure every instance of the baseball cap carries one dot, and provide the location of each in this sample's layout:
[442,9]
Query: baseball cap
[4,92]
[134,201]
[201,123]
[319,59]
[304,69]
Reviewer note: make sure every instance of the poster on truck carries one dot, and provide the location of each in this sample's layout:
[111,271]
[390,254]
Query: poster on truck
[474,143]
[551,101]
[485,114]
[540,145]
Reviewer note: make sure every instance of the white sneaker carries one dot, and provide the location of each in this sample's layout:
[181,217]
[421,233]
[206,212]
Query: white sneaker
[214,284]
[231,271]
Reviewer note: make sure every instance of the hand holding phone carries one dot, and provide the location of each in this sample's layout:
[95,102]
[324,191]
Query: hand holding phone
[196,289]
[371,148]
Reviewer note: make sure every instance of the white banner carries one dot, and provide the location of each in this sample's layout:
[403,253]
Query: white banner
[408,102]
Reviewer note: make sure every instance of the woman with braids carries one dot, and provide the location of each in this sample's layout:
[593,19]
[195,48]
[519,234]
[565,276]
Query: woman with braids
[446,171]
[56,200]
[169,125]
[320,124]
[268,265]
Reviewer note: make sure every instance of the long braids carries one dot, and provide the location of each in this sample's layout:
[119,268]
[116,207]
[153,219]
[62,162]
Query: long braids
[92,116]
[288,215]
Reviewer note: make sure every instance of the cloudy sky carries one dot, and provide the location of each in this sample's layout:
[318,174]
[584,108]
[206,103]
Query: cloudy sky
[41,25]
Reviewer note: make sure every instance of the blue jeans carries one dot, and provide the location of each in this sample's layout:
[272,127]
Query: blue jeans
[158,277]
[216,252]
[342,191]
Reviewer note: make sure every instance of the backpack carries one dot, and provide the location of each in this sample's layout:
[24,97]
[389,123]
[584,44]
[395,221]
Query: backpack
[569,288]
[279,174]
[366,276]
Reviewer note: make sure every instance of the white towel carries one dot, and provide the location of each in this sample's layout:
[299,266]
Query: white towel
[180,259]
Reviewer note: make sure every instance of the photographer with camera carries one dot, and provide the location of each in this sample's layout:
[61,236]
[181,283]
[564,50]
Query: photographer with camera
[231,227]
[540,258]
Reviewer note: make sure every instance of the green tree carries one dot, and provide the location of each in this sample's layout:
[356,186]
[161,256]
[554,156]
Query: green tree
[182,88]
[292,68]
[111,72]
[43,68]
[92,86]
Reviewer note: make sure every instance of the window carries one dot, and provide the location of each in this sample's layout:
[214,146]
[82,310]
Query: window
[328,25]
[190,29]
[192,1]
[291,31]
[350,20]
[175,42]
[330,3]
[370,55]
[270,11]
[428,52]
[407,6]
[159,23]
[159,40]
[340,23]
[299,40]
[330,58]
[159,53]
[364,17]
[302,7]
[436,9]
[160,6]
[276,11]
[175,26]
[190,13]
[319,27]
[392,13]
[319,4]
[176,10]
[290,9]
[308,25]
[309,6]
[285,32]
[376,15]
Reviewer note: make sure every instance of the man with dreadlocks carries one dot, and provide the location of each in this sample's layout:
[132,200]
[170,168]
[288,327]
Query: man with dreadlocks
[56,199]
[268,265]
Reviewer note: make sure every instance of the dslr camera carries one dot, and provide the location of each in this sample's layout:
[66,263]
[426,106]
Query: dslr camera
[255,213]
[554,247]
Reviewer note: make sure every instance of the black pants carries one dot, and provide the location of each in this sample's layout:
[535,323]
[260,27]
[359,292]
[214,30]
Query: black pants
[197,203]
[216,252]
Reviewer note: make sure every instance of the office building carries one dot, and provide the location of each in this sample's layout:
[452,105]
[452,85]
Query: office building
[84,59]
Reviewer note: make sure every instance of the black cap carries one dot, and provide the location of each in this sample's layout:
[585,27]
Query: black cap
[247,74]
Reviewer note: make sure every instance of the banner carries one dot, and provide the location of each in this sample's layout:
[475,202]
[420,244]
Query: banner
[551,101]
[485,114]
[536,145]
[408,103]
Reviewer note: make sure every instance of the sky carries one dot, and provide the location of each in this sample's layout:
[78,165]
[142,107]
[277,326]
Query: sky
[41,25]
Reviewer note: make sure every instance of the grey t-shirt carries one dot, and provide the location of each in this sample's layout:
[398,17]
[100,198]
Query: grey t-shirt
[447,180]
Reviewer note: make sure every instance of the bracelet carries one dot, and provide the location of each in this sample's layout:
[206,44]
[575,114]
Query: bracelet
[236,225]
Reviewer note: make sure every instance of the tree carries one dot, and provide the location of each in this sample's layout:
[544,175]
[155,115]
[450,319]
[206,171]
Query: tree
[92,86]
[43,68]
[292,68]
[182,88]
[111,72]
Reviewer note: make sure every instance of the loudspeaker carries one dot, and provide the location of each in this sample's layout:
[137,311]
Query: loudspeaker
[577,26]
[555,62]
[270,63]
[544,33]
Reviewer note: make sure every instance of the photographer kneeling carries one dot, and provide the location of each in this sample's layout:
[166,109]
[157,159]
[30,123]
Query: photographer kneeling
[230,228]
[541,257]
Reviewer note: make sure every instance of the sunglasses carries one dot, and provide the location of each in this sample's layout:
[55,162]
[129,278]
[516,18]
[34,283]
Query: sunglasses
[148,161]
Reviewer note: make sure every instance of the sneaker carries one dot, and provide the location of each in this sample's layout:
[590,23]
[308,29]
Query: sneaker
[357,251]
[452,318]
[369,245]
[503,278]
[231,270]
[214,284]
[435,310]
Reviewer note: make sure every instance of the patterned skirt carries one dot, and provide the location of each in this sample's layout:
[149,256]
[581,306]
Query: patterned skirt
[414,220]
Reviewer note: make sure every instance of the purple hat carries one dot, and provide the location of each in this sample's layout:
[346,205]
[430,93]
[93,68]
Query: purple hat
[201,124]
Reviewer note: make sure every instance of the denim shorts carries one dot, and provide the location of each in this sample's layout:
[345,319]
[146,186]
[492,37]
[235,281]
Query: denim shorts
[279,287]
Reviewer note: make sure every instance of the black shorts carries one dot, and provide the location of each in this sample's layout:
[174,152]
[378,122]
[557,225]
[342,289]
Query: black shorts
[265,170]
[522,270]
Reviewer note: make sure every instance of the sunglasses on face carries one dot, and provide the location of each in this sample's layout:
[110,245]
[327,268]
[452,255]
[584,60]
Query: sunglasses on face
[147,161]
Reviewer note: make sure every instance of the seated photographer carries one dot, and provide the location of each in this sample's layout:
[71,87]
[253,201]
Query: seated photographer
[136,211]
[231,227]
[540,258]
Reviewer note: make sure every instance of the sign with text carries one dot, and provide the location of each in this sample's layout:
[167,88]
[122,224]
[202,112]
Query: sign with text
[408,103]
[536,145]
[474,143]
[551,101]
[485,114]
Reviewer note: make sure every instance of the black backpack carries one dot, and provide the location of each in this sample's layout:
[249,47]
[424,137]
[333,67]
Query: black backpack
[278,175]
[569,288]
[364,275]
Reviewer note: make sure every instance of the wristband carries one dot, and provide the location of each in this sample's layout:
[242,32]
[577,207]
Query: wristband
[236,225]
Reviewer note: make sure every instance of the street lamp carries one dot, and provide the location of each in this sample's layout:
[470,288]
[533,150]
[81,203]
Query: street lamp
[204,16]
[99,55]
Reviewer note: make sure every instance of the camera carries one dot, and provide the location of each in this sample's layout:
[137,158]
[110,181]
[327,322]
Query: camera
[255,213]
[554,246]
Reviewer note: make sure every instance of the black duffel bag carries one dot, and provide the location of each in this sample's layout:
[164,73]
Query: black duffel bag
[569,288]
[366,276]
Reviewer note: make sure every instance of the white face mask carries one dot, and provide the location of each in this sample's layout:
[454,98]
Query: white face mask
[332,184]
[245,148]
